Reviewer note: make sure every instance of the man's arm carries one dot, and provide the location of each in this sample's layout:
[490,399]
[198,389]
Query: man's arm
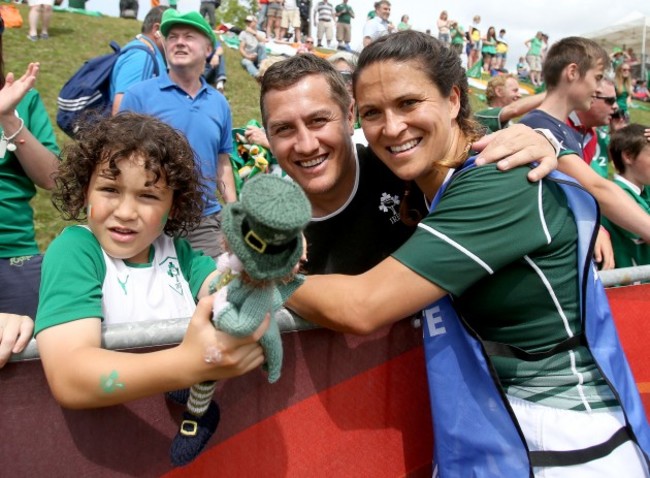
[117,101]
[225,178]
[521,107]
[614,202]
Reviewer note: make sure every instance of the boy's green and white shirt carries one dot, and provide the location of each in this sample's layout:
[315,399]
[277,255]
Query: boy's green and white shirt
[79,280]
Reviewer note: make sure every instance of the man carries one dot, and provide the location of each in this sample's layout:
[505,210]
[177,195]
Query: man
[584,123]
[137,65]
[359,211]
[207,10]
[323,17]
[379,24]
[185,101]
[344,16]
[252,50]
[505,103]
[304,7]
[307,47]
[290,18]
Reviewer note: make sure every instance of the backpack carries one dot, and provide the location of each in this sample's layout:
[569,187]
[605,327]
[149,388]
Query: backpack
[89,89]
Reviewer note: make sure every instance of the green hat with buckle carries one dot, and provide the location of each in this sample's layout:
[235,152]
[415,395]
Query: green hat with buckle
[264,228]
[172,17]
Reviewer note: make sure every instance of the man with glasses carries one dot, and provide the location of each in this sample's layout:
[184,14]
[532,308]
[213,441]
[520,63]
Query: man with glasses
[584,123]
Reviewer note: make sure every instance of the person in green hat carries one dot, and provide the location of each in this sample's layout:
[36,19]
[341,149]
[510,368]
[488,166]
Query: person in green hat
[264,238]
[185,101]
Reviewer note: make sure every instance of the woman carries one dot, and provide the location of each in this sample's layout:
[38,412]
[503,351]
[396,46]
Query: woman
[404,23]
[28,158]
[444,26]
[506,251]
[489,48]
[623,84]
[534,58]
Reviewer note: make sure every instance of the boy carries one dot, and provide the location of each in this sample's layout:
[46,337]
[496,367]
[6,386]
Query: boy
[630,153]
[573,69]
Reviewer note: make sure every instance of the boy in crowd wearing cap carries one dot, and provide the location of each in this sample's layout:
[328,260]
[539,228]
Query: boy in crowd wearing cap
[185,101]
[252,50]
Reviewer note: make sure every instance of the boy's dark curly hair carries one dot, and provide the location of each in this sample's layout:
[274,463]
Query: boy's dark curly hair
[165,151]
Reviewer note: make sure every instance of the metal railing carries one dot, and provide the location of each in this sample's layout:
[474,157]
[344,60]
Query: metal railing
[167,332]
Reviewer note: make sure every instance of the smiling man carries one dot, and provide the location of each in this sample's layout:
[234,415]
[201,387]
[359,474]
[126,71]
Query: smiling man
[361,211]
[185,101]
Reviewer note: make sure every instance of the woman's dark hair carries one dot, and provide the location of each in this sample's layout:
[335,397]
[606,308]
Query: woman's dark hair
[165,152]
[2,58]
[443,68]
[629,140]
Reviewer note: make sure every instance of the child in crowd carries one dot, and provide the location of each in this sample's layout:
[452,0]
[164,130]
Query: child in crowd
[629,150]
[573,69]
[133,179]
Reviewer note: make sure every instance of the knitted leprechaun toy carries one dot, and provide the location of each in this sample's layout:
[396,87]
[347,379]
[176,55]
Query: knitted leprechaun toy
[263,233]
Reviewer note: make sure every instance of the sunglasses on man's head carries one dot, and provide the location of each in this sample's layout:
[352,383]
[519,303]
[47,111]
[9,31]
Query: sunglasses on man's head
[610,100]
[347,76]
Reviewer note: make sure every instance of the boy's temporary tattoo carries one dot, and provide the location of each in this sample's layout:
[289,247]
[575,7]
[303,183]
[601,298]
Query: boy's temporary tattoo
[109,383]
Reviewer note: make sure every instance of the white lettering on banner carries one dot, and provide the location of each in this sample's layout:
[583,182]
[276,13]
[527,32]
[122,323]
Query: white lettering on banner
[434,321]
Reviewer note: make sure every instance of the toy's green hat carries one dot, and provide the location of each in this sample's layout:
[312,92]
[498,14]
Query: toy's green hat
[172,17]
[617,49]
[264,228]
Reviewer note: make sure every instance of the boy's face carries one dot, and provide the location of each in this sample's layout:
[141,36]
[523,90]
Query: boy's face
[124,213]
[585,88]
[637,170]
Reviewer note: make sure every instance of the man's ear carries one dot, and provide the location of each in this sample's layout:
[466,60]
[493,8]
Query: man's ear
[571,72]
[351,117]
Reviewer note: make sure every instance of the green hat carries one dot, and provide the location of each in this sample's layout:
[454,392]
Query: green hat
[193,19]
[264,228]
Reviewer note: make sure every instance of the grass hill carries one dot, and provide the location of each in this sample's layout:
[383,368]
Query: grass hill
[75,38]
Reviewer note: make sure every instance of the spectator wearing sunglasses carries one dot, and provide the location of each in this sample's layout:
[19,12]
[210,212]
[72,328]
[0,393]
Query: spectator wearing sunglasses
[307,47]
[584,123]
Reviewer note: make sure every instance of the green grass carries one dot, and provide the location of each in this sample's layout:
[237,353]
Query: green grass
[75,38]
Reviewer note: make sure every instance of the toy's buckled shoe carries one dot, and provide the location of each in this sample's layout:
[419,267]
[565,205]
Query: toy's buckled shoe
[193,435]
[189,428]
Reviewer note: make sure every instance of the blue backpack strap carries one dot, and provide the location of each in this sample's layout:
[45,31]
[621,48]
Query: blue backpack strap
[143,47]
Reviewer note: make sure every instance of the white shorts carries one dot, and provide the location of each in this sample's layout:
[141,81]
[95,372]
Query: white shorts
[554,429]
[33,3]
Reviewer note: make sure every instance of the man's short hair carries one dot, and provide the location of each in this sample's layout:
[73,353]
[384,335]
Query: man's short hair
[154,16]
[282,75]
[585,53]
[494,83]
[380,3]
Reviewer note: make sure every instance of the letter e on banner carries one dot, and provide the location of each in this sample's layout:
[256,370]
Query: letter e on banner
[434,321]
